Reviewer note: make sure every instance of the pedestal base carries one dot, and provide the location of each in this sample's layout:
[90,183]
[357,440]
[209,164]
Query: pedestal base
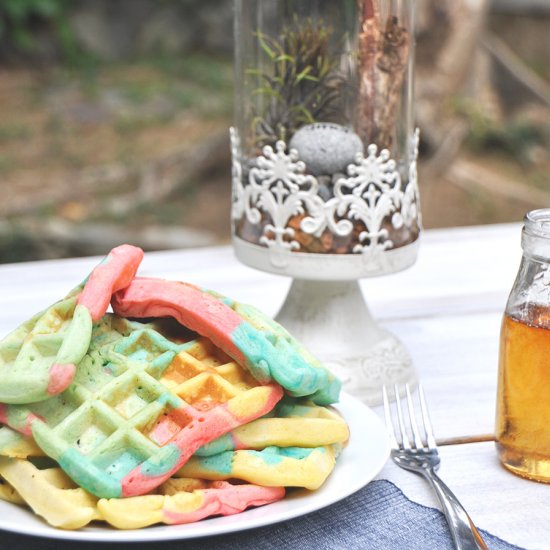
[333,322]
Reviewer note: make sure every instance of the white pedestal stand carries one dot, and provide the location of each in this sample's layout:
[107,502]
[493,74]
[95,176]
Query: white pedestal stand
[333,321]
[325,310]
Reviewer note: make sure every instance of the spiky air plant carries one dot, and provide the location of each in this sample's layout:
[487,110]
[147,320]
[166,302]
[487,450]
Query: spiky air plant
[301,84]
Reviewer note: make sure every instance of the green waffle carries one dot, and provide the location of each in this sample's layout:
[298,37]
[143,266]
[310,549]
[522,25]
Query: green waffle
[33,356]
[139,406]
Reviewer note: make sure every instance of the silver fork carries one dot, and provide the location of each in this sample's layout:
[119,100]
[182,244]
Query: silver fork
[421,457]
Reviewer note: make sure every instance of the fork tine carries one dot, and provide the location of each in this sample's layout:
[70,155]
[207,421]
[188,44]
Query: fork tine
[414,426]
[387,416]
[404,436]
[426,419]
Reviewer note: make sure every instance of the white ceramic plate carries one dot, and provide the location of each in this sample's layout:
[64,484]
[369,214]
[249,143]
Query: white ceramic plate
[361,460]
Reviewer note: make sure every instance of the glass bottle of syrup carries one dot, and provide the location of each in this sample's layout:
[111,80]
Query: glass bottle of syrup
[523,399]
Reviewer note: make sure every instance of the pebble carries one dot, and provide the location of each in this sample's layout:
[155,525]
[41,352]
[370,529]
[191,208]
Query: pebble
[325,188]
[326,148]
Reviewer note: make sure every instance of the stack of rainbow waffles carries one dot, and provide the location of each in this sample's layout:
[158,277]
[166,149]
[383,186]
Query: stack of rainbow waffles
[178,405]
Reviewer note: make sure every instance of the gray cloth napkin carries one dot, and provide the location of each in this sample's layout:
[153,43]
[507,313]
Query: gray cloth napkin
[378,517]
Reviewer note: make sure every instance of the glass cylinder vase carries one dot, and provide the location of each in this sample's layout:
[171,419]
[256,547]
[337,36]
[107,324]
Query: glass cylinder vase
[324,147]
[324,155]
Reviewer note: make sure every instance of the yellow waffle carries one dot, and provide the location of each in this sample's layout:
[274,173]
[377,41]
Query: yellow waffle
[292,423]
[16,445]
[9,494]
[271,467]
[51,494]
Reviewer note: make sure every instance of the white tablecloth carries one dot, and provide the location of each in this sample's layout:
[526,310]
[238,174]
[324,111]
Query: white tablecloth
[447,310]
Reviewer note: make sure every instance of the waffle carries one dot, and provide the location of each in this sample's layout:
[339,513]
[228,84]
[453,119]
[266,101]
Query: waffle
[318,383]
[16,445]
[246,335]
[139,407]
[50,493]
[114,273]
[181,415]
[270,467]
[54,496]
[9,494]
[39,358]
[292,423]
[185,501]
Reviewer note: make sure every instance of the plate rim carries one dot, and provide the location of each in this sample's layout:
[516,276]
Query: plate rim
[368,420]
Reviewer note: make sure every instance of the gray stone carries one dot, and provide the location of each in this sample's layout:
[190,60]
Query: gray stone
[326,148]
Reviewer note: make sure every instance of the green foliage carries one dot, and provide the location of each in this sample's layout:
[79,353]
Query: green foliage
[13,132]
[196,81]
[15,246]
[16,18]
[302,83]
[5,164]
[515,138]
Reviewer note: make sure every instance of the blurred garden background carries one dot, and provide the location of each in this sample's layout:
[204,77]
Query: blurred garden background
[114,119]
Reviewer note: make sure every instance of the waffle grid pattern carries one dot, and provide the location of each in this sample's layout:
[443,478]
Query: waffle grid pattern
[140,401]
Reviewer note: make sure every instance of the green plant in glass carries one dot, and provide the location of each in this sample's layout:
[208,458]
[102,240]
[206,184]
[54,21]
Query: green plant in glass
[302,83]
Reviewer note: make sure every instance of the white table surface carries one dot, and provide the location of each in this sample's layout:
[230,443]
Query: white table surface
[447,309]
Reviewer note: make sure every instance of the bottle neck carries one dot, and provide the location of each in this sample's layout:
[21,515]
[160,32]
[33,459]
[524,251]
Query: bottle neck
[535,247]
[529,300]
[535,237]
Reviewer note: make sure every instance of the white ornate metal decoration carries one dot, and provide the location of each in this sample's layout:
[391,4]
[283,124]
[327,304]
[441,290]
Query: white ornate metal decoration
[387,362]
[372,193]
[410,209]
[278,187]
[237,195]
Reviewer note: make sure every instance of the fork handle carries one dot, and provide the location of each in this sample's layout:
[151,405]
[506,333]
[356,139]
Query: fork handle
[464,532]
